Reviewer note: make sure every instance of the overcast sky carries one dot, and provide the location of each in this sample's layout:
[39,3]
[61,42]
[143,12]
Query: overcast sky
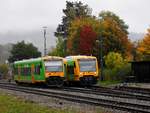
[24,19]
[19,15]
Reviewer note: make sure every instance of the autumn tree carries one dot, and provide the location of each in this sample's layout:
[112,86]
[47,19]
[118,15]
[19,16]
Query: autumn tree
[144,46]
[87,39]
[73,10]
[83,34]
[110,28]
[114,34]
[21,50]
[104,15]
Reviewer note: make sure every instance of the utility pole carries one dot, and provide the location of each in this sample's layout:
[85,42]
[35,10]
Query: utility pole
[45,40]
[101,57]
[65,43]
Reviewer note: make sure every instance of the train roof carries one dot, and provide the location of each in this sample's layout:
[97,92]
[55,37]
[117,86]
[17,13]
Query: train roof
[37,59]
[79,57]
[52,57]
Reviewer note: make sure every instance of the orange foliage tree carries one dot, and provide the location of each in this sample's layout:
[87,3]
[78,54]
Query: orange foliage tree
[87,39]
[83,33]
[115,34]
[144,46]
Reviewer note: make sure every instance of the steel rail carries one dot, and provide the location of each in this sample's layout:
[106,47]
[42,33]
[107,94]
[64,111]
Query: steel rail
[103,91]
[134,89]
[126,106]
[112,93]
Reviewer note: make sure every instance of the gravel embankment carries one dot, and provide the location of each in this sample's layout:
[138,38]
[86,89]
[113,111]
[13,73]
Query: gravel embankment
[103,97]
[61,104]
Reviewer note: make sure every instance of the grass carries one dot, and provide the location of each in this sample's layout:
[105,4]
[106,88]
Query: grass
[108,83]
[12,104]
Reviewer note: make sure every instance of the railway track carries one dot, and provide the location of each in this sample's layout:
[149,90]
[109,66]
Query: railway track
[109,92]
[104,92]
[134,89]
[127,106]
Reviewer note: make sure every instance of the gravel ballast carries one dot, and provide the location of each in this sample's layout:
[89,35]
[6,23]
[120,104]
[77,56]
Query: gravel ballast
[59,103]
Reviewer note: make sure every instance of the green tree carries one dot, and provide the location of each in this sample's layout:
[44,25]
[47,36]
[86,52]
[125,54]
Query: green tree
[114,60]
[58,51]
[73,10]
[4,70]
[116,68]
[21,50]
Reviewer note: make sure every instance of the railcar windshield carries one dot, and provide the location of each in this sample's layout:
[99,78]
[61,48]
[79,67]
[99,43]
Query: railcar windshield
[54,66]
[87,65]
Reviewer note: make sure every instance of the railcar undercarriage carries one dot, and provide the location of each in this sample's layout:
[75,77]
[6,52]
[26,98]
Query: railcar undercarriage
[55,81]
[88,80]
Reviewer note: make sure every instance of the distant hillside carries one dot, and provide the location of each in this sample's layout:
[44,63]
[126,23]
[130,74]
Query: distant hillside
[4,52]
[136,36]
[35,37]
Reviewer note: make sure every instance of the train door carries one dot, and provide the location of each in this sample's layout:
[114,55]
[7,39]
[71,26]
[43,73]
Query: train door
[65,72]
[19,72]
[32,73]
[38,72]
[70,72]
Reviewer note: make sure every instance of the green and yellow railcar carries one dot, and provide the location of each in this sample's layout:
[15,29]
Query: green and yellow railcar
[49,70]
[82,69]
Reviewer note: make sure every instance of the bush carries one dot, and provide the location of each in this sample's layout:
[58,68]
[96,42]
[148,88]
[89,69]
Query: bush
[4,70]
[114,60]
[117,69]
[117,74]
[109,74]
[124,72]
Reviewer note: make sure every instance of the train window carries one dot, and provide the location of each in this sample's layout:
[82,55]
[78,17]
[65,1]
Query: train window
[22,71]
[26,71]
[37,70]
